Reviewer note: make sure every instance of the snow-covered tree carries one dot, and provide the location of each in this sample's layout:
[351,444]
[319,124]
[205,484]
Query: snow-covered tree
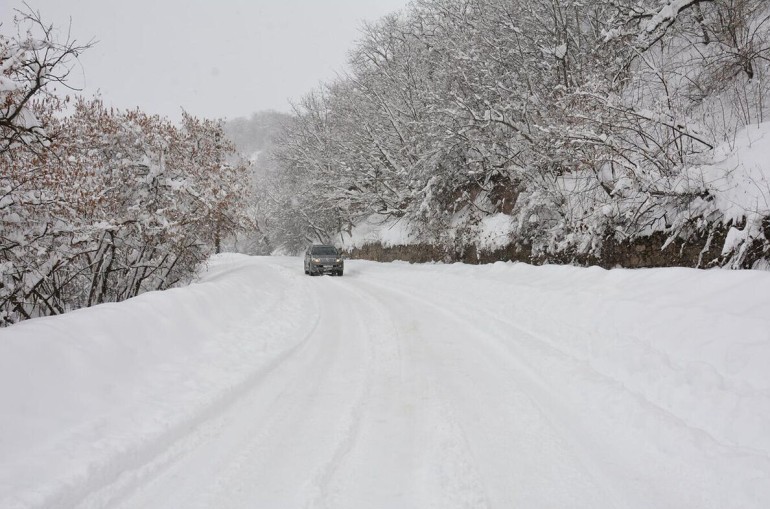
[99,205]
[580,120]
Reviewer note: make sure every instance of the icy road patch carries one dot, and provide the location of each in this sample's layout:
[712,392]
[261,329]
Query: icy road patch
[397,386]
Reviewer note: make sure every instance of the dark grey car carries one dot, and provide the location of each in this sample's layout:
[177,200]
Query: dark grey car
[323,259]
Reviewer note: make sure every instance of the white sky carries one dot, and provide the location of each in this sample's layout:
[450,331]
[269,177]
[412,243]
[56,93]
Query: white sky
[225,58]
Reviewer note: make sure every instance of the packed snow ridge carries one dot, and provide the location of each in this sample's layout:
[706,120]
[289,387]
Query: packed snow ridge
[398,385]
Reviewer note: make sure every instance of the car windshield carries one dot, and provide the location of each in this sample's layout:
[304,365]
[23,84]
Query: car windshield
[324,251]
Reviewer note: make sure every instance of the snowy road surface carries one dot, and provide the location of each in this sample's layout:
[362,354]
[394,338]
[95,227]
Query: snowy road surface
[397,386]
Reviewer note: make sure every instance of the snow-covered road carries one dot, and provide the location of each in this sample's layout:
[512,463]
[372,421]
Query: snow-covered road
[397,386]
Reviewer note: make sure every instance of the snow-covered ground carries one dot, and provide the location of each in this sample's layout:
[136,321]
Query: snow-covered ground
[397,385]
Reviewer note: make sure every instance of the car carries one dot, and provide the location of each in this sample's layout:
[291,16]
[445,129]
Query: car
[323,259]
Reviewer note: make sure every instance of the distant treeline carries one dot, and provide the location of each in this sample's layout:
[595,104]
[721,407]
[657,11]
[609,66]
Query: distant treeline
[256,133]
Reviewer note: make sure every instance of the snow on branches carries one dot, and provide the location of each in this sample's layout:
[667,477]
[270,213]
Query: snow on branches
[98,205]
[576,119]
[31,62]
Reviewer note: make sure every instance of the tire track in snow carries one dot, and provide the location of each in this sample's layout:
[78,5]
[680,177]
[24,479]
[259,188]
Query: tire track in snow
[399,397]
[668,367]
[131,470]
[461,386]
[588,440]
[472,312]
[320,496]
[425,447]
[297,428]
[425,443]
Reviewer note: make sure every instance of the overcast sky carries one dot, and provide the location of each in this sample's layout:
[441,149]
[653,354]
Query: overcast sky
[224,58]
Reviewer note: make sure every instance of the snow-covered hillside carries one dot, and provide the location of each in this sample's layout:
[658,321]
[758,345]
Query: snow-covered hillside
[734,187]
[398,385]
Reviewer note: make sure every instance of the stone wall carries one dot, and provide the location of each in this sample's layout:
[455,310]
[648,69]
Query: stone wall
[698,252]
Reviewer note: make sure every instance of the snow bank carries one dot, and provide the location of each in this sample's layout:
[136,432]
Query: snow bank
[88,394]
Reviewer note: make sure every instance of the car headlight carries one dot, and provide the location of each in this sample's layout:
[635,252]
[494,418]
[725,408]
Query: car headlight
[316,260]
[338,260]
